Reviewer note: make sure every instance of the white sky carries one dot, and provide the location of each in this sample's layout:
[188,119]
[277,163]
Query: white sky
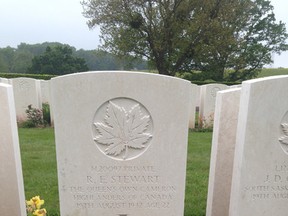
[38,21]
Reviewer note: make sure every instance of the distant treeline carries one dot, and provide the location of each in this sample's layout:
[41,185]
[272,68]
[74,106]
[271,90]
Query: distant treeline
[19,60]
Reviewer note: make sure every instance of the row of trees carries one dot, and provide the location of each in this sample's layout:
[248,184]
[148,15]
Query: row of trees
[57,58]
[207,39]
[211,36]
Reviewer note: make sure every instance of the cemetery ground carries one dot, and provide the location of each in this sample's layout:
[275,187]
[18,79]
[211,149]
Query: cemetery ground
[38,156]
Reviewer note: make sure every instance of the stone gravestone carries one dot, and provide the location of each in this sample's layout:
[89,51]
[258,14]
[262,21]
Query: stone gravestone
[235,86]
[207,103]
[222,152]
[121,141]
[260,173]
[27,91]
[45,91]
[12,199]
[4,80]
[195,93]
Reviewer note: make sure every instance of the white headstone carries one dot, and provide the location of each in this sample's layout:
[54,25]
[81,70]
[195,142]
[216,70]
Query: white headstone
[222,152]
[207,103]
[198,96]
[46,97]
[235,86]
[27,91]
[12,199]
[260,173]
[45,91]
[195,93]
[4,80]
[121,141]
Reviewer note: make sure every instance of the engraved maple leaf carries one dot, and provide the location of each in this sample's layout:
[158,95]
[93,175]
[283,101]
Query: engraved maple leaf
[123,129]
[284,139]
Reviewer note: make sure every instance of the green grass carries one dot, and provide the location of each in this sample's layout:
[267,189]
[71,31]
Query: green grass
[39,166]
[40,176]
[272,72]
[197,173]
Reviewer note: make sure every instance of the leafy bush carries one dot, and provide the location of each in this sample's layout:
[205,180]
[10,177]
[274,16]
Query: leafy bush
[34,76]
[203,124]
[46,114]
[34,118]
[37,117]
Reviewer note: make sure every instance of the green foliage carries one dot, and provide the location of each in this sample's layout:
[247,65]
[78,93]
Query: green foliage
[178,36]
[27,124]
[37,117]
[273,72]
[46,114]
[18,60]
[40,173]
[34,118]
[58,60]
[21,61]
[199,81]
[6,59]
[34,76]
[102,60]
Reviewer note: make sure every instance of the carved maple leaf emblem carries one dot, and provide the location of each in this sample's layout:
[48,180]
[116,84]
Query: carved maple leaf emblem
[284,139]
[123,129]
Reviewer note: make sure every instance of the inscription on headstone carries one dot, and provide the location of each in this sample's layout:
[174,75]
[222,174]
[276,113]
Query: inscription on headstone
[120,149]
[260,174]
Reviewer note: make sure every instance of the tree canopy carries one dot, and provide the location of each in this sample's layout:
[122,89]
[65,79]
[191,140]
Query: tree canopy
[58,60]
[210,36]
[18,60]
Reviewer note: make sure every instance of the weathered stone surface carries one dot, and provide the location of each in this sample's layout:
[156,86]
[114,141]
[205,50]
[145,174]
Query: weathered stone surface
[12,199]
[27,91]
[207,103]
[45,91]
[222,152]
[4,80]
[121,143]
[195,97]
[260,173]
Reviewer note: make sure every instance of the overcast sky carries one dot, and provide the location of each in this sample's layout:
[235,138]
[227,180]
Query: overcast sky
[38,21]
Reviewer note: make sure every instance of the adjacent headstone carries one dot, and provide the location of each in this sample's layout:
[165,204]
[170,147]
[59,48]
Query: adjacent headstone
[46,97]
[121,141]
[12,199]
[4,80]
[198,96]
[195,95]
[27,92]
[207,103]
[45,91]
[235,86]
[260,173]
[222,152]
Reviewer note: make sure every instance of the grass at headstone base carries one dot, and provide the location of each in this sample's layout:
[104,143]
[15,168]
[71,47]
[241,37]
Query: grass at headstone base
[38,157]
[40,176]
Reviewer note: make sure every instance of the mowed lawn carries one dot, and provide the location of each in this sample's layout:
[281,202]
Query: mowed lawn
[40,169]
